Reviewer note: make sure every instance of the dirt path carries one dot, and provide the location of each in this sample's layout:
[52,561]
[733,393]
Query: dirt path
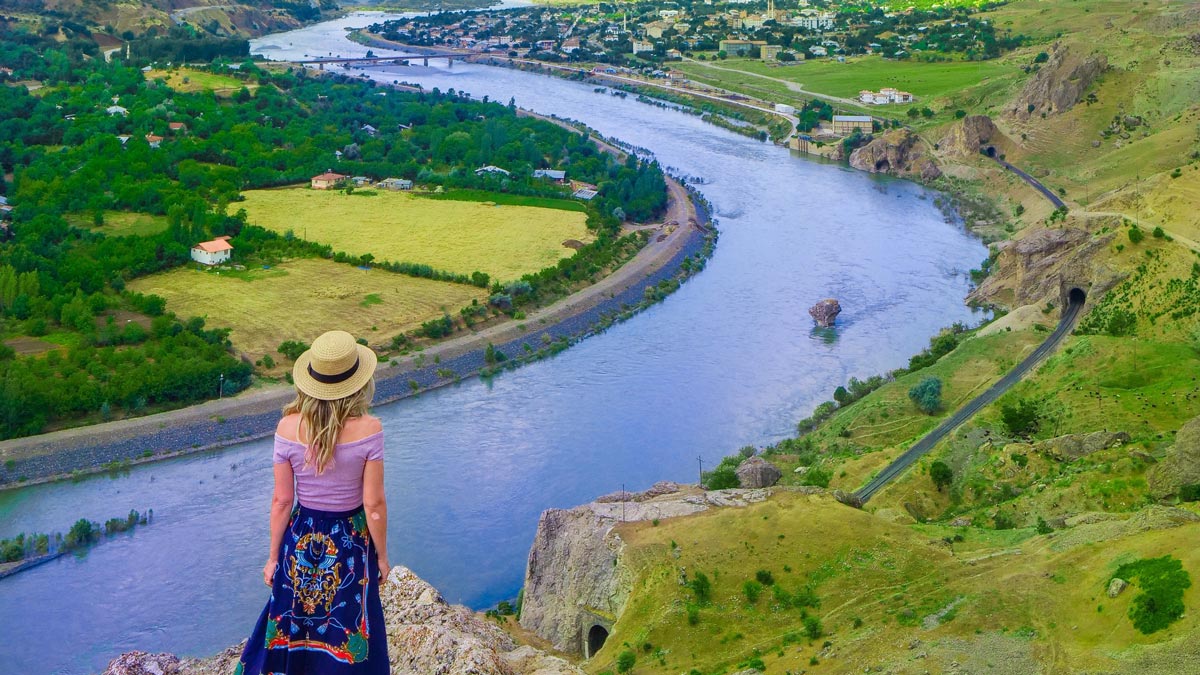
[680,221]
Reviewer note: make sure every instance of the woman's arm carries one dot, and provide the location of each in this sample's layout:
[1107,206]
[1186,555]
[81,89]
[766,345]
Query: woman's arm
[375,504]
[281,510]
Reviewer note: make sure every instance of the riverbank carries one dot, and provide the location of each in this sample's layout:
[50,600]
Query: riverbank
[116,445]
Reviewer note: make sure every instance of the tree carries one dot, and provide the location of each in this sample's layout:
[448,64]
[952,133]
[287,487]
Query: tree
[625,661]
[927,395]
[941,474]
[1021,418]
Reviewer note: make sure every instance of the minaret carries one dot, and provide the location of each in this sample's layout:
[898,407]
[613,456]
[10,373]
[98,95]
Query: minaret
[770,9]
[625,22]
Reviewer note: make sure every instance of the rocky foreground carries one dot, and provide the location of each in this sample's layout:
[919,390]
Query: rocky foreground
[426,636]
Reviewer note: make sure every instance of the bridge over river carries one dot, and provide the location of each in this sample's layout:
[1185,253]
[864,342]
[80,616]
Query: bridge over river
[397,59]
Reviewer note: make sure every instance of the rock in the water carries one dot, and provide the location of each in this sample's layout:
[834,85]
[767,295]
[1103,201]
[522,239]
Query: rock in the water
[1074,446]
[1116,586]
[825,312]
[143,663]
[1181,466]
[757,472]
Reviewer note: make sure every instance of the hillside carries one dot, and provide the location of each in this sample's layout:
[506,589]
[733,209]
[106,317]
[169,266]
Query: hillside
[245,18]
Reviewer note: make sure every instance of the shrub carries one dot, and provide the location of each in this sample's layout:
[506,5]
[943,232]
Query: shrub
[1003,521]
[941,474]
[625,661]
[1136,235]
[436,328]
[702,587]
[1043,527]
[1190,493]
[1021,417]
[927,395]
[752,589]
[764,577]
[812,627]
[292,349]
[1158,233]
[693,614]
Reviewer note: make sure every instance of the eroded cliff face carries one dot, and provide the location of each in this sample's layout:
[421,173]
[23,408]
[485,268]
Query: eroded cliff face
[1043,263]
[576,576]
[973,135]
[426,636]
[898,152]
[1059,83]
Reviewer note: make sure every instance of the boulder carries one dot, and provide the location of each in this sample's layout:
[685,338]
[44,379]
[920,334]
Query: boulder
[1074,446]
[1181,465]
[757,472]
[1116,586]
[825,312]
[143,663]
[898,152]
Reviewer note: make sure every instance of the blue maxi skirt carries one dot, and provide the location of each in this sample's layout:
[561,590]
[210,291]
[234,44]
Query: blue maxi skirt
[324,616]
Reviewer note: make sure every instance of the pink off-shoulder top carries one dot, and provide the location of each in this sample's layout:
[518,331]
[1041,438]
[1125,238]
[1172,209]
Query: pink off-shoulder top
[340,487]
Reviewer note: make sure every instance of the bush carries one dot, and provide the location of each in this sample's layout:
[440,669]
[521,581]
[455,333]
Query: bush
[1190,493]
[1022,417]
[765,577]
[1003,521]
[292,349]
[1043,527]
[927,395]
[1158,233]
[437,328]
[812,627]
[1162,582]
[702,587]
[752,589]
[693,614]
[1136,235]
[625,661]
[941,474]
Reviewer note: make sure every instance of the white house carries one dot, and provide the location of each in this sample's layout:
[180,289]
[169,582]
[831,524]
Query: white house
[552,174]
[212,252]
[116,110]
[817,50]
[395,184]
[490,169]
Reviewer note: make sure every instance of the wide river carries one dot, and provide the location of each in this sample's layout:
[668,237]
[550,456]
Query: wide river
[731,359]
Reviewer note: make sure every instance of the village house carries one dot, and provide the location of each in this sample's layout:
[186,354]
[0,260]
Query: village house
[740,47]
[359,181]
[846,124]
[640,46]
[116,110]
[212,252]
[490,169]
[570,45]
[817,50]
[328,180]
[552,174]
[395,184]
[769,52]
[884,96]
[371,131]
[177,127]
[674,54]
[154,141]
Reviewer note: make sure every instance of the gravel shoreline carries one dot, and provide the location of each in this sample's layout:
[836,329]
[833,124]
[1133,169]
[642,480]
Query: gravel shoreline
[89,450]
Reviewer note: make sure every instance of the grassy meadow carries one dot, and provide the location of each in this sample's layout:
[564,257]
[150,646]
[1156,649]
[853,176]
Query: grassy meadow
[300,299]
[505,241]
[188,80]
[905,598]
[121,223]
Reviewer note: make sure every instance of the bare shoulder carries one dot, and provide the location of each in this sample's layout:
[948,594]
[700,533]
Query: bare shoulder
[289,427]
[357,428]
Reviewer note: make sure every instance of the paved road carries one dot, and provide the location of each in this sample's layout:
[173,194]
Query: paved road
[1058,203]
[994,392]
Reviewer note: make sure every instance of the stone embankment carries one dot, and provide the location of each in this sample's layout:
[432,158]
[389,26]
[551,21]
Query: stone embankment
[426,635]
[221,423]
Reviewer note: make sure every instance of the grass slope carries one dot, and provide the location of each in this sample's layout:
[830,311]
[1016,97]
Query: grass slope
[122,223]
[506,241]
[300,299]
[188,80]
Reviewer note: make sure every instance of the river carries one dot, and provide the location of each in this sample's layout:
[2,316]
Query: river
[731,359]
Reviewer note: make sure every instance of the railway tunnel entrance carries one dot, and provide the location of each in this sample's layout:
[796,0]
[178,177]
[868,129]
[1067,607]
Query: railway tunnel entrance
[1076,296]
[596,637]
[990,151]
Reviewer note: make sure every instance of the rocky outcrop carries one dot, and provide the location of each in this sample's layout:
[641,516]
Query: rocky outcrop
[898,152]
[973,135]
[576,573]
[426,636]
[1116,586]
[1181,466]
[1059,83]
[757,472]
[1042,263]
[1073,446]
[825,312]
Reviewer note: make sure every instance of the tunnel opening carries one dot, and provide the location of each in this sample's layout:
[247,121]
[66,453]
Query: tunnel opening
[1076,296]
[991,151]
[595,640]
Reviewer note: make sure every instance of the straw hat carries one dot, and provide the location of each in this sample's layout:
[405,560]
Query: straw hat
[334,367]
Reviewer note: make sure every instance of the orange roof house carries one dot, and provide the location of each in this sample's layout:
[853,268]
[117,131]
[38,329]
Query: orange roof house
[212,252]
[327,180]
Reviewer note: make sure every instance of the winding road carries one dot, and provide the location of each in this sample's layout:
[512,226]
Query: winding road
[1033,182]
[898,466]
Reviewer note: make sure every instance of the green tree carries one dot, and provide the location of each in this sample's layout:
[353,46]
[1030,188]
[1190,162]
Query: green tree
[626,661]
[941,474]
[1022,417]
[927,395]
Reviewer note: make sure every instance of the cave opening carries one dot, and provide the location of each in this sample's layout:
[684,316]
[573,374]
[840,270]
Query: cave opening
[595,640]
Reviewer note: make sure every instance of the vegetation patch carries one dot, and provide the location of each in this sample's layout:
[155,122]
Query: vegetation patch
[1162,582]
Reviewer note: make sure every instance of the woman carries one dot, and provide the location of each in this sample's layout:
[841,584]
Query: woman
[328,553]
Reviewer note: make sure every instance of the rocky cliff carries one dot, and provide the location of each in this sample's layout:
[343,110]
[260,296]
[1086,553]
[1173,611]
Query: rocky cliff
[575,577]
[1035,268]
[1181,466]
[426,636]
[972,135]
[898,152]
[1059,83]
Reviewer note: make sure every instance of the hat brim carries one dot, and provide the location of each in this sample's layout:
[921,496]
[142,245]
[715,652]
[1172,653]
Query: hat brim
[306,383]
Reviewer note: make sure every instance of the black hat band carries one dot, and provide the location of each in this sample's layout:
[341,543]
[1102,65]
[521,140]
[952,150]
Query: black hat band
[333,379]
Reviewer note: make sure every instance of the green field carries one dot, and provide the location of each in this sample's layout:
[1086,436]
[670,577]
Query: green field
[503,241]
[188,80]
[300,299]
[121,223]
[926,81]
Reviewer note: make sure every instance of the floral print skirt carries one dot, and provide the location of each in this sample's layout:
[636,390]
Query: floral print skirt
[324,616]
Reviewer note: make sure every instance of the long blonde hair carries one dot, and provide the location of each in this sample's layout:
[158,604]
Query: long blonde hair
[322,421]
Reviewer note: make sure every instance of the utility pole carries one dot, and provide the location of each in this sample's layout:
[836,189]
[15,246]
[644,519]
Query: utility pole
[701,461]
[221,386]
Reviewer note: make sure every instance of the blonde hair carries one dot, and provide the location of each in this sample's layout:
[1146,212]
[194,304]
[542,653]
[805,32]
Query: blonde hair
[322,421]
